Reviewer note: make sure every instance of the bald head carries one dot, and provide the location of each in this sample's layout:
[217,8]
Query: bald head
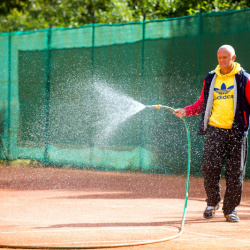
[228,48]
[226,56]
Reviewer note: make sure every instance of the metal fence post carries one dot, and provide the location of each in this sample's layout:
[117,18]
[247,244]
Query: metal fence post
[9,95]
[142,81]
[47,99]
[199,52]
[92,86]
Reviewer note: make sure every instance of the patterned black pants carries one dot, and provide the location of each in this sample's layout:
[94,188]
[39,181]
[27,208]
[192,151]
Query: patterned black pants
[221,148]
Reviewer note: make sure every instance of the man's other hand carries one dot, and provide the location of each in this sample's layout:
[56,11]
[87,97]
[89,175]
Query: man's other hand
[179,112]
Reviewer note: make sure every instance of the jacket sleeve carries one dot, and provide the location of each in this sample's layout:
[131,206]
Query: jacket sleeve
[247,90]
[196,108]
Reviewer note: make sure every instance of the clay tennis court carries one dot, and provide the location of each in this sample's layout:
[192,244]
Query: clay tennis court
[73,208]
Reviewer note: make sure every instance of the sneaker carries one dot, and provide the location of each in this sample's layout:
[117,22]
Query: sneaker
[232,217]
[209,212]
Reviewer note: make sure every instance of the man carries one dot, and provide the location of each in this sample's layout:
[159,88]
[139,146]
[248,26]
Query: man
[224,105]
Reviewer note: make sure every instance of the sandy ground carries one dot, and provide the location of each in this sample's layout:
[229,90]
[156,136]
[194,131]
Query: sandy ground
[56,208]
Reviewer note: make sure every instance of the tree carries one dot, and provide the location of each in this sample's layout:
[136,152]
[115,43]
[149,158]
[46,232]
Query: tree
[38,14]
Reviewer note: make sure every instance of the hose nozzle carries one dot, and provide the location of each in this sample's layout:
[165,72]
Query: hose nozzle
[154,107]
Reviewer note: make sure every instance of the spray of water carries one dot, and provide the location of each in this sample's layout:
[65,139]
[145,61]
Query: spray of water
[116,108]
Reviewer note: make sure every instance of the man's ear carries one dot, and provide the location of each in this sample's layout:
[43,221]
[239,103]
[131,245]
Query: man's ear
[234,57]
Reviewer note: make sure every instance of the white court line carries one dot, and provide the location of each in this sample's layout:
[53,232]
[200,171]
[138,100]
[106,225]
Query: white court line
[82,229]
[209,235]
[127,228]
[8,219]
[88,242]
[216,236]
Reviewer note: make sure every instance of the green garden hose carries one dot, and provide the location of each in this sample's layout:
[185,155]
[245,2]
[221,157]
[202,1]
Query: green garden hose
[142,242]
[188,166]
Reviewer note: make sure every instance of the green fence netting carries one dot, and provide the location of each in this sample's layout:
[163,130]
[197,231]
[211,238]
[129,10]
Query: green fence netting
[63,92]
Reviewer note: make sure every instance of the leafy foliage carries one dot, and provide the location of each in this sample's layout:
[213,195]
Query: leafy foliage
[38,14]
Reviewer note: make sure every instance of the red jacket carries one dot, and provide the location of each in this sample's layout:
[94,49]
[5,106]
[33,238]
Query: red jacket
[196,108]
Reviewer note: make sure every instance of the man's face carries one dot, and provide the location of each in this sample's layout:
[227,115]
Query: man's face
[225,60]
